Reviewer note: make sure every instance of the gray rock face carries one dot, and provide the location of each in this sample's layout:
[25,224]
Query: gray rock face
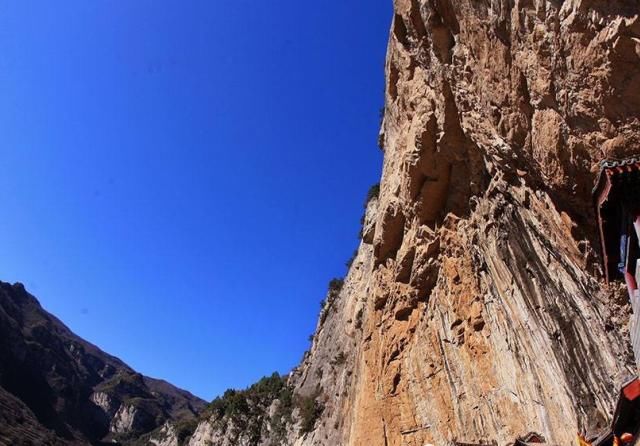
[124,420]
[127,419]
[166,436]
[107,404]
[206,433]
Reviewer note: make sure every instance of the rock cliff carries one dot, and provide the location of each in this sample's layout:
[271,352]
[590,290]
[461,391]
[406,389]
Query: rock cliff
[58,389]
[475,309]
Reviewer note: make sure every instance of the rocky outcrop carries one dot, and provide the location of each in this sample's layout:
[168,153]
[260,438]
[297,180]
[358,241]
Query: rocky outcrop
[56,388]
[476,309]
[166,436]
[132,417]
[105,403]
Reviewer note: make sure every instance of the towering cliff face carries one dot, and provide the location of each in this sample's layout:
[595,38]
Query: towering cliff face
[475,309]
[485,313]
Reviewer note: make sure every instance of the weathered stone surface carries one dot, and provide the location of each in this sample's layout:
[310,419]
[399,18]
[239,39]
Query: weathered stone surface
[126,419]
[105,402]
[485,312]
[166,436]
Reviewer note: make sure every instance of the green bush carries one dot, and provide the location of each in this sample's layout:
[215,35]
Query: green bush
[373,192]
[359,316]
[268,388]
[216,408]
[310,410]
[236,402]
[335,285]
[247,408]
[233,402]
[339,359]
[351,259]
[185,429]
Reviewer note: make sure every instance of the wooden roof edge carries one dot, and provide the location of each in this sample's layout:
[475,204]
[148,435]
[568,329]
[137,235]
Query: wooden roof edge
[606,169]
[619,162]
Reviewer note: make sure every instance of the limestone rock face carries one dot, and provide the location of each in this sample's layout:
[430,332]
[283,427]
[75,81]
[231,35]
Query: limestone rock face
[476,309]
[132,418]
[166,436]
[105,402]
[206,433]
[124,420]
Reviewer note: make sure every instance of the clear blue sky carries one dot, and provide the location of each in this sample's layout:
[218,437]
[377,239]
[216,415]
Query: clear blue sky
[179,180]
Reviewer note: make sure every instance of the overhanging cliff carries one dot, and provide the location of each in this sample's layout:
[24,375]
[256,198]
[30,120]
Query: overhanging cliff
[476,309]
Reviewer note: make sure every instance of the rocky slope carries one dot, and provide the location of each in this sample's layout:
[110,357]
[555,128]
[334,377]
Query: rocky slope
[475,309]
[57,389]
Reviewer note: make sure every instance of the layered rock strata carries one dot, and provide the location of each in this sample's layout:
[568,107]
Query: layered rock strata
[476,309]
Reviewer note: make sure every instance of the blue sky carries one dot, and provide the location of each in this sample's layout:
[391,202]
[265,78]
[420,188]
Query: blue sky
[179,180]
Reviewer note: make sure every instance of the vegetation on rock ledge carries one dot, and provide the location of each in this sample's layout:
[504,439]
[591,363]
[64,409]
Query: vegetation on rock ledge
[242,412]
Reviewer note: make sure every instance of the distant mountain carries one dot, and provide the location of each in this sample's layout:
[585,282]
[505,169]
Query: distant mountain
[58,389]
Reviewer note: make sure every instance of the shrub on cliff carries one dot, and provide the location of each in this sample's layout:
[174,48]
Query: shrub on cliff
[359,316]
[351,259]
[185,429]
[373,192]
[339,359]
[231,403]
[335,285]
[244,410]
[240,402]
[310,409]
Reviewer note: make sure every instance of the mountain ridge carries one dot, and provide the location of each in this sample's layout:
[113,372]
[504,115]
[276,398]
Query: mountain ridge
[76,392]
